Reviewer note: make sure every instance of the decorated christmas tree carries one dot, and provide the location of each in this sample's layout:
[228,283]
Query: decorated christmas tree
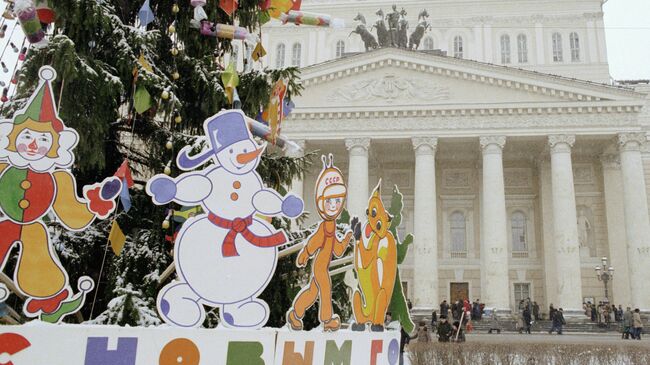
[136,79]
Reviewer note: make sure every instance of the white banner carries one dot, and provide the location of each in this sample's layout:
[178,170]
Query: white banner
[42,344]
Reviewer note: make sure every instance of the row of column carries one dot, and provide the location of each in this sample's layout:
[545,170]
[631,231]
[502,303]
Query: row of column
[562,258]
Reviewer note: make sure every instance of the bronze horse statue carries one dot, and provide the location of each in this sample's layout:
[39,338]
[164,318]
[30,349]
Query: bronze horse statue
[383,36]
[368,39]
[418,33]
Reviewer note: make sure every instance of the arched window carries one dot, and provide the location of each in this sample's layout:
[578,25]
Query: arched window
[296,54]
[522,48]
[505,48]
[428,44]
[574,42]
[557,47]
[458,46]
[458,232]
[279,56]
[340,49]
[519,234]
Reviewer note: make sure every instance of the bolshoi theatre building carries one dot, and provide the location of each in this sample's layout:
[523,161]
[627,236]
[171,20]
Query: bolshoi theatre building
[521,162]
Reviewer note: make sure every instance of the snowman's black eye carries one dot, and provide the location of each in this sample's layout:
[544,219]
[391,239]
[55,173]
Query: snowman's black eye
[231,150]
[245,150]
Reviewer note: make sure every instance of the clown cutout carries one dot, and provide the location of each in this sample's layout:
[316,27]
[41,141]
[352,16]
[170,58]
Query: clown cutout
[35,157]
[331,193]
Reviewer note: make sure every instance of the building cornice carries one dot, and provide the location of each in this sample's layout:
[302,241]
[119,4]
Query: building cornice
[560,87]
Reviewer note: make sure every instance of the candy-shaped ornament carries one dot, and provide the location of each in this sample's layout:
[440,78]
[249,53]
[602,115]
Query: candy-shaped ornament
[298,17]
[29,21]
[44,11]
[227,31]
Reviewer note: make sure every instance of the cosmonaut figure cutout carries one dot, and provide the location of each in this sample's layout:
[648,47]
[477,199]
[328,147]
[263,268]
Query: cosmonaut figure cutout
[224,257]
[35,156]
[330,195]
[375,262]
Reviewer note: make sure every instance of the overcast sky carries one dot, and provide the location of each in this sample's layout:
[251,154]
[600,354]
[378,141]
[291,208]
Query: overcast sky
[627,29]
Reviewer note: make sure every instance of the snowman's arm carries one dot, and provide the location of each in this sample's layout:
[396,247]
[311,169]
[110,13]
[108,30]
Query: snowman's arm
[268,202]
[192,188]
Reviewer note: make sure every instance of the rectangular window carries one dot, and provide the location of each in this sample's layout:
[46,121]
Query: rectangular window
[522,291]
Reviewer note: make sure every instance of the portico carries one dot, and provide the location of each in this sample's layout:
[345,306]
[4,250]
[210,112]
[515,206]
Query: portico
[512,179]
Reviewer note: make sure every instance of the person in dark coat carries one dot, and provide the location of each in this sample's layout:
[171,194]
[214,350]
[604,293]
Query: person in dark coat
[536,311]
[551,312]
[444,329]
[558,322]
[434,320]
[527,320]
[444,308]
[404,340]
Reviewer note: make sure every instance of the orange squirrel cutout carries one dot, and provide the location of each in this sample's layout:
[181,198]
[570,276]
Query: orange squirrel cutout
[331,193]
[375,262]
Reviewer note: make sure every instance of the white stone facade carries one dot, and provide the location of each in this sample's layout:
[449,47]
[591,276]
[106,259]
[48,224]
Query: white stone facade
[515,181]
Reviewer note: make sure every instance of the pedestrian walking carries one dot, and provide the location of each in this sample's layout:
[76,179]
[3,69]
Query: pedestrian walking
[444,329]
[536,311]
[527,320]
[628,323]
[637,323]
[558,322]
[434,320]
[423,333]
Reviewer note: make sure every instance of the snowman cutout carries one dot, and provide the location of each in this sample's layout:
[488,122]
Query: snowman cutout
[227,256]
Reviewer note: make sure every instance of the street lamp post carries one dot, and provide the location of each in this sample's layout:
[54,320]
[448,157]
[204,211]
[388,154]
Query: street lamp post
[605,274]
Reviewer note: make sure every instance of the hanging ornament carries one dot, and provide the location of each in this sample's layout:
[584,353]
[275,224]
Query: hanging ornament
[227,31]
[178,119]
[175,9]
[306,18]
[28,20]
[13,47]
[145,14]
[175,75]
[23,54]
[167,171]
[171,29]
[164,95]
[4,67]
[196,3]
[165,224]
[174,51]
[4,97]
[169,145]
[14,78]
[45,12]
[228,6]
[3,30]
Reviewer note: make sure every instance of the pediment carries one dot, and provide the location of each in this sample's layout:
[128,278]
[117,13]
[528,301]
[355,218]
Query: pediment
[389,79]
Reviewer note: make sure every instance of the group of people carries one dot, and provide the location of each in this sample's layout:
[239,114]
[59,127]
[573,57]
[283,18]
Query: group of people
[630,321]
[528,311]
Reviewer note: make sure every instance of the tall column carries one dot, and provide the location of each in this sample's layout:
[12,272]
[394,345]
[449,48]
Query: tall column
[358,176]
[637,224]
[494,245]
[546,202]
[565,228]
[425,225]
[297,185]
[616,236]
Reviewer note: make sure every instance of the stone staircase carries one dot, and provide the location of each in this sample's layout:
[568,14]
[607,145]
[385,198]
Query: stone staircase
[509,325]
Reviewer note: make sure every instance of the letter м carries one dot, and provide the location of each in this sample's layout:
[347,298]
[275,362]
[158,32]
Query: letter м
[336,356]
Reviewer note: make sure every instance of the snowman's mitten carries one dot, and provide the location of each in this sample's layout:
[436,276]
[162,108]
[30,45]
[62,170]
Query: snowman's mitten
[162,189]
[292,206]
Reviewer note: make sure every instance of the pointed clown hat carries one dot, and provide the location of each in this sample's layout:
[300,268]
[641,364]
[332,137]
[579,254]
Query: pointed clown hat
[40,106]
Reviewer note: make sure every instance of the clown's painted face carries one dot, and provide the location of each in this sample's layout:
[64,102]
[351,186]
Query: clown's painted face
[333,206]
[32,145]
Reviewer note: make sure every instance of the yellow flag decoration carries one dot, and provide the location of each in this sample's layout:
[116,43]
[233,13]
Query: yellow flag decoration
[144,63]
[116,238]
[230,81]
[258,52]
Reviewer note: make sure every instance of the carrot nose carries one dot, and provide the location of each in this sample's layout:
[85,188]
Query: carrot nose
[33,145]
[248,157]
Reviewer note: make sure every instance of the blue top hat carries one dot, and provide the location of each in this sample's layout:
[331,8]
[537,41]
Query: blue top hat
[223,130]
[226,129]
